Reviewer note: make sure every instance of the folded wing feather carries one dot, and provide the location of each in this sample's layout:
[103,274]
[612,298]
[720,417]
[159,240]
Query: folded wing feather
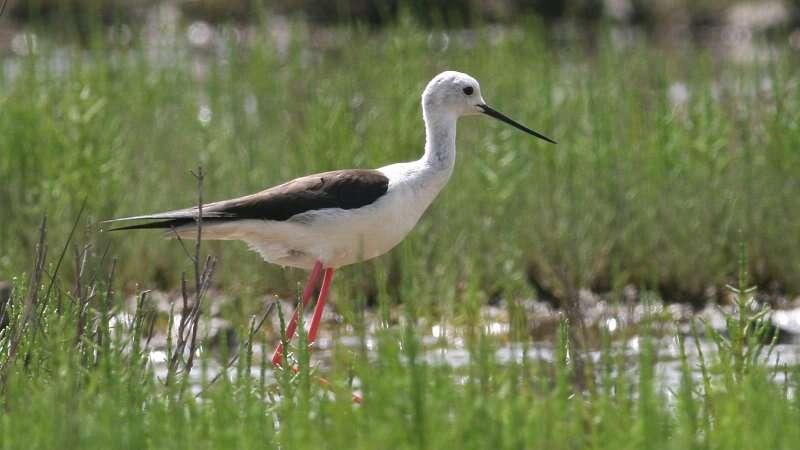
[345,189]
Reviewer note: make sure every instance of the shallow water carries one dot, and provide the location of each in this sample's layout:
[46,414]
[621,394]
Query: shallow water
[445,344]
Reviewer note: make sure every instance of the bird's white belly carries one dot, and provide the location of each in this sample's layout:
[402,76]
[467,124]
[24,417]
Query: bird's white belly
[337,237]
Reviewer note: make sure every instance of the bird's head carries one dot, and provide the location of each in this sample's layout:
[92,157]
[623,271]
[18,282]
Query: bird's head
[454,92]
[457,93]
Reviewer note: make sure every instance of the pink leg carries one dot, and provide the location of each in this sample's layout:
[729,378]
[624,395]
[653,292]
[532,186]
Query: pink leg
[323,295]
[290,329]
[315,320]
[312,331]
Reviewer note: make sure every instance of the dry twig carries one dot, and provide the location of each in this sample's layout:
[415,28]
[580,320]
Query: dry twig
[191,311]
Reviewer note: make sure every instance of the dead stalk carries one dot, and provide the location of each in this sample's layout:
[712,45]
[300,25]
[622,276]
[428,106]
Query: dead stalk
[30,301]
[105,316]
[191,312]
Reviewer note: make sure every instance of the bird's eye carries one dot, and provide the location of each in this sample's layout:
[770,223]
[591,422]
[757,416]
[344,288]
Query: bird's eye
[468,90]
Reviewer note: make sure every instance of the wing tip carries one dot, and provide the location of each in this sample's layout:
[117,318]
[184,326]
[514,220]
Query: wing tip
[159,225]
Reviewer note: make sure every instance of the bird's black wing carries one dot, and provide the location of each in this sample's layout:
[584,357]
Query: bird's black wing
[345,189]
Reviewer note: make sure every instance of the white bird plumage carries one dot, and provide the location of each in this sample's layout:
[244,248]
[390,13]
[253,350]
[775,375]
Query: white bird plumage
[338,237]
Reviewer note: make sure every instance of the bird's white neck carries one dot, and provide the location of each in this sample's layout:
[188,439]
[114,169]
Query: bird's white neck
[440,142]
[418,182]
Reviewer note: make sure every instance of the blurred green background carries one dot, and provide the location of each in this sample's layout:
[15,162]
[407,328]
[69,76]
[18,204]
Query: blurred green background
[677,125]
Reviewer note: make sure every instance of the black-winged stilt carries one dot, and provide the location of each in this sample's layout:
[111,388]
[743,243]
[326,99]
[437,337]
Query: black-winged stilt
[325,221]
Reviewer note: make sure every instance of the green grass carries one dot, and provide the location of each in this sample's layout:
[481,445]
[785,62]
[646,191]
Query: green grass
[639,191]
[63,388]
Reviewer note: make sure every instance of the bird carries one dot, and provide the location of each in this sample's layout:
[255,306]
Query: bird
[329,220]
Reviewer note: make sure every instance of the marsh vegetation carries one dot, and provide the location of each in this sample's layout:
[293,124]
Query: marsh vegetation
[548,299]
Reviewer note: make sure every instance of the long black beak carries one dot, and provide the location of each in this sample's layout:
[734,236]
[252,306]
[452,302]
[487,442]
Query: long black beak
[489,111]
